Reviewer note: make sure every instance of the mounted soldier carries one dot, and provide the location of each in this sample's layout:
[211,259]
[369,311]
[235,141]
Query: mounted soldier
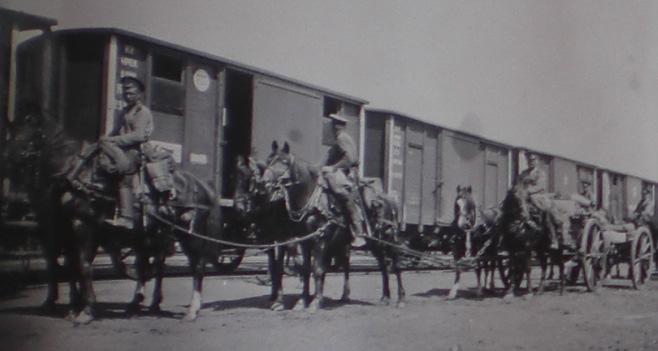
[340,170]
[533,180]
[121,149]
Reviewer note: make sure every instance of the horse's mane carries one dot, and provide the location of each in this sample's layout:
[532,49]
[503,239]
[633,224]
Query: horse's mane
[186,179]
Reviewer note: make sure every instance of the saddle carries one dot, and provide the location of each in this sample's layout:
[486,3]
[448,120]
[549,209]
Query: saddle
[95,172]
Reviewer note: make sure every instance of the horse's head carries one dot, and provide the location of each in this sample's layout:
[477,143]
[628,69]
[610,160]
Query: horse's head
[465,209]
[24,147]
[514,205]
[279,171]
[250,190]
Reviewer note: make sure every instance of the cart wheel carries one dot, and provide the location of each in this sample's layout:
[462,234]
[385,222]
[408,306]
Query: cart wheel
[593,259]
[641,254]
[228,261]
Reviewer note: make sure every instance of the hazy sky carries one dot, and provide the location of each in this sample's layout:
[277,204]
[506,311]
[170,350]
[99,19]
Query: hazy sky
[574,78]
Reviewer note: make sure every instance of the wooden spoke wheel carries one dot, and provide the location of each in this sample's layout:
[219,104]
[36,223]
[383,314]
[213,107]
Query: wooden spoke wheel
[642,251]
[593,253]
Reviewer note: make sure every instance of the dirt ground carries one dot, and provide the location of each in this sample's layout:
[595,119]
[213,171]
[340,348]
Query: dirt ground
[235,316]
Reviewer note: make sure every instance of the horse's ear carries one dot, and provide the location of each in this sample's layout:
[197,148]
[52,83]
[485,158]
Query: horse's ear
[469,189]
[459,188]
[286,148]
[275,146]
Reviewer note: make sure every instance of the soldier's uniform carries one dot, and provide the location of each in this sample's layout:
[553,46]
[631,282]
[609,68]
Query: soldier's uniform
[132,127]
[644,210]
[340,165]
[534,181]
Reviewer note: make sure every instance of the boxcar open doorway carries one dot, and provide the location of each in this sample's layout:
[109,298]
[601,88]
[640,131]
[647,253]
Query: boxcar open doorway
[237,126]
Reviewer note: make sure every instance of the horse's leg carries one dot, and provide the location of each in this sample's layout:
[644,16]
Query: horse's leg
[53,285]
[479,267]
[276,274]
[306,276]
[543,263]
[141,262]
[319,270]
[455,286]
[560,265]
[491,269]
[157,289]
[514,277]
[86,255]
[402,295]
[381,262]
[346,275]
[528,270]
[197,263]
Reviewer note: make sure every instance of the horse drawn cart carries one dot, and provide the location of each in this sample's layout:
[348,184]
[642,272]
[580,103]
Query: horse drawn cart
[597,245]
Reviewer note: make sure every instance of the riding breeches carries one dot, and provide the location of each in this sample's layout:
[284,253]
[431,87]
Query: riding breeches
[126,161]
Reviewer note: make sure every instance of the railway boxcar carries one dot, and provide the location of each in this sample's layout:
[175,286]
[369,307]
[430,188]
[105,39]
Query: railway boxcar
[420,165]
[207,109]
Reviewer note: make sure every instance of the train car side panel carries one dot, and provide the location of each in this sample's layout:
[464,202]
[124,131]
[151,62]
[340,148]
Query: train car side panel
[429,177]
[463,165]
[287,113]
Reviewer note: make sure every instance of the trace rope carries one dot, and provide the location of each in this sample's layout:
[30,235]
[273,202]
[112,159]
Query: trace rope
[190,232]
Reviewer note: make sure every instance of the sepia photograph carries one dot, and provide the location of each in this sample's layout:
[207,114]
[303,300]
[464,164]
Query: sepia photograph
[328,175]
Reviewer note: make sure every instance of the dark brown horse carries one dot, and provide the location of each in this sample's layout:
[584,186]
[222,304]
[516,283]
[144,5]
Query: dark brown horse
[314,211]
[71,216]
[521,235]
[262,215]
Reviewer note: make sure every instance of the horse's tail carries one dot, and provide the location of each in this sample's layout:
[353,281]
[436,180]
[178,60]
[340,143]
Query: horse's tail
[205,196]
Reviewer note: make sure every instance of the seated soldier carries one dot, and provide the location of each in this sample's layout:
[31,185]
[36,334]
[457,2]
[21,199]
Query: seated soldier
[132,127]
[341,160]
[644,210]
[533,180]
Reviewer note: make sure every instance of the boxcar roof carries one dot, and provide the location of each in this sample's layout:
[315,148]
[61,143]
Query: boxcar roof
[496,143]
[228,62]
[424,121]
[26,21]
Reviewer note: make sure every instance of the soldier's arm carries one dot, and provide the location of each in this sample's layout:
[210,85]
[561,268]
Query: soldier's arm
[349,158]
[142,129]
[538,185]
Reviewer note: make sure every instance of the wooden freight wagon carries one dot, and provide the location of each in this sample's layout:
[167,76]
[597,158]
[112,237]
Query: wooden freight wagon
[420,165]
[207,109]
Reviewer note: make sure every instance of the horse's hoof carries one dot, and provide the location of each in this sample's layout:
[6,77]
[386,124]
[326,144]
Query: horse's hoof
[277,306]
[385,301]
[345,298]
[70,316]
[401,304]
[48,307]
[299,306]
[508,298]
[132,308]
[154,309]
[315,306]
[190,317]
[452,295]
[83,318]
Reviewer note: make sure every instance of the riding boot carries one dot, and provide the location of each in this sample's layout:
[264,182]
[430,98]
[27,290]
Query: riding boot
[126,209]
[82,159]
[552,232]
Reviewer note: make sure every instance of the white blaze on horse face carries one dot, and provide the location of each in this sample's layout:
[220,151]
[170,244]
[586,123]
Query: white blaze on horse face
[466,219]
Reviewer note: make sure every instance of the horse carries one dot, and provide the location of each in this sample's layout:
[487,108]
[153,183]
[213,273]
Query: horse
[71,214]
[265,219]
[521,235]
[466,239]
[315,213]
